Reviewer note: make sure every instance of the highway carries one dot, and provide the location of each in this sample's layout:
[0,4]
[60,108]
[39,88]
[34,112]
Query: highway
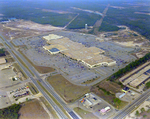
[123,113]
[49,88]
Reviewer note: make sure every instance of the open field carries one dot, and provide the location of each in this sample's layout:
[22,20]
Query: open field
[109,94]
[84,114]
[32,110]
[65,89]
[43,70]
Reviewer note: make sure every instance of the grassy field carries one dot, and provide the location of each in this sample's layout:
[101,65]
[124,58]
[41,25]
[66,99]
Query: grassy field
[40,69]
[43,70]
[107,91]
[49,108]
[68,91]
[33,110]
[84,114]
[33,89]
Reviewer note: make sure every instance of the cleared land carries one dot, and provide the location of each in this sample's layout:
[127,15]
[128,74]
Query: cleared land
[68,91]
[109,94]
[44,70]
[85,114]
[33,110]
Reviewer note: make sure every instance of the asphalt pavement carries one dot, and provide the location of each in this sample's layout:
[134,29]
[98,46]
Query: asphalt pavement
[60,113]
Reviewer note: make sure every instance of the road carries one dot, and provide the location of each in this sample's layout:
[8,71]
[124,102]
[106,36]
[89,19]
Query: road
[71,20]
[49,88]
[99,22]
[123,113]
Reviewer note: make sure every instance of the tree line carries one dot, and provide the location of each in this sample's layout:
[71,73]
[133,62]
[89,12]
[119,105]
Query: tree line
[129,67]
[10,112]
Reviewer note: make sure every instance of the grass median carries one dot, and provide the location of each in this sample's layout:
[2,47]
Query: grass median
[54,99]
[33,88]
[49,107]
[23,63]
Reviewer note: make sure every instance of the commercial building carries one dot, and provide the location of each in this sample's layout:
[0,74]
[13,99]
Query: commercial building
[137,78]
[2,60]
[89,100]
[51,37]
[105,110]
[90,56]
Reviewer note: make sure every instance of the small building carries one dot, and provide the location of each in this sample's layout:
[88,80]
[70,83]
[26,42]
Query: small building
[103,111]
[87,103]
[125,89]
[2,60]
[107,109]
[122,95]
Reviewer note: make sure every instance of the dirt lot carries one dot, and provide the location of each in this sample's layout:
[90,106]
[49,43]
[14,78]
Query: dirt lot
[68,91]
[22,28]
[110,87]
[44,70]
[33,110]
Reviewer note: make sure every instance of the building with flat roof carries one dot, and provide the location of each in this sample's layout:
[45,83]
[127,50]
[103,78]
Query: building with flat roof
[52,37]
[139,80]
[90,56]
[2,60]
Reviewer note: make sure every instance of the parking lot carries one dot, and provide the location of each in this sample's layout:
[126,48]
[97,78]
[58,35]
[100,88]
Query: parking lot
[4,100]
[74,71]
[18,93]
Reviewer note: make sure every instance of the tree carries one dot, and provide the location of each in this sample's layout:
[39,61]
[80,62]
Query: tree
[142,110]
[137,113]
[117,101]
[147,84]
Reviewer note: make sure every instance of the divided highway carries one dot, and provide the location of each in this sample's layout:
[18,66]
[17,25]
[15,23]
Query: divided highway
[48,88]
